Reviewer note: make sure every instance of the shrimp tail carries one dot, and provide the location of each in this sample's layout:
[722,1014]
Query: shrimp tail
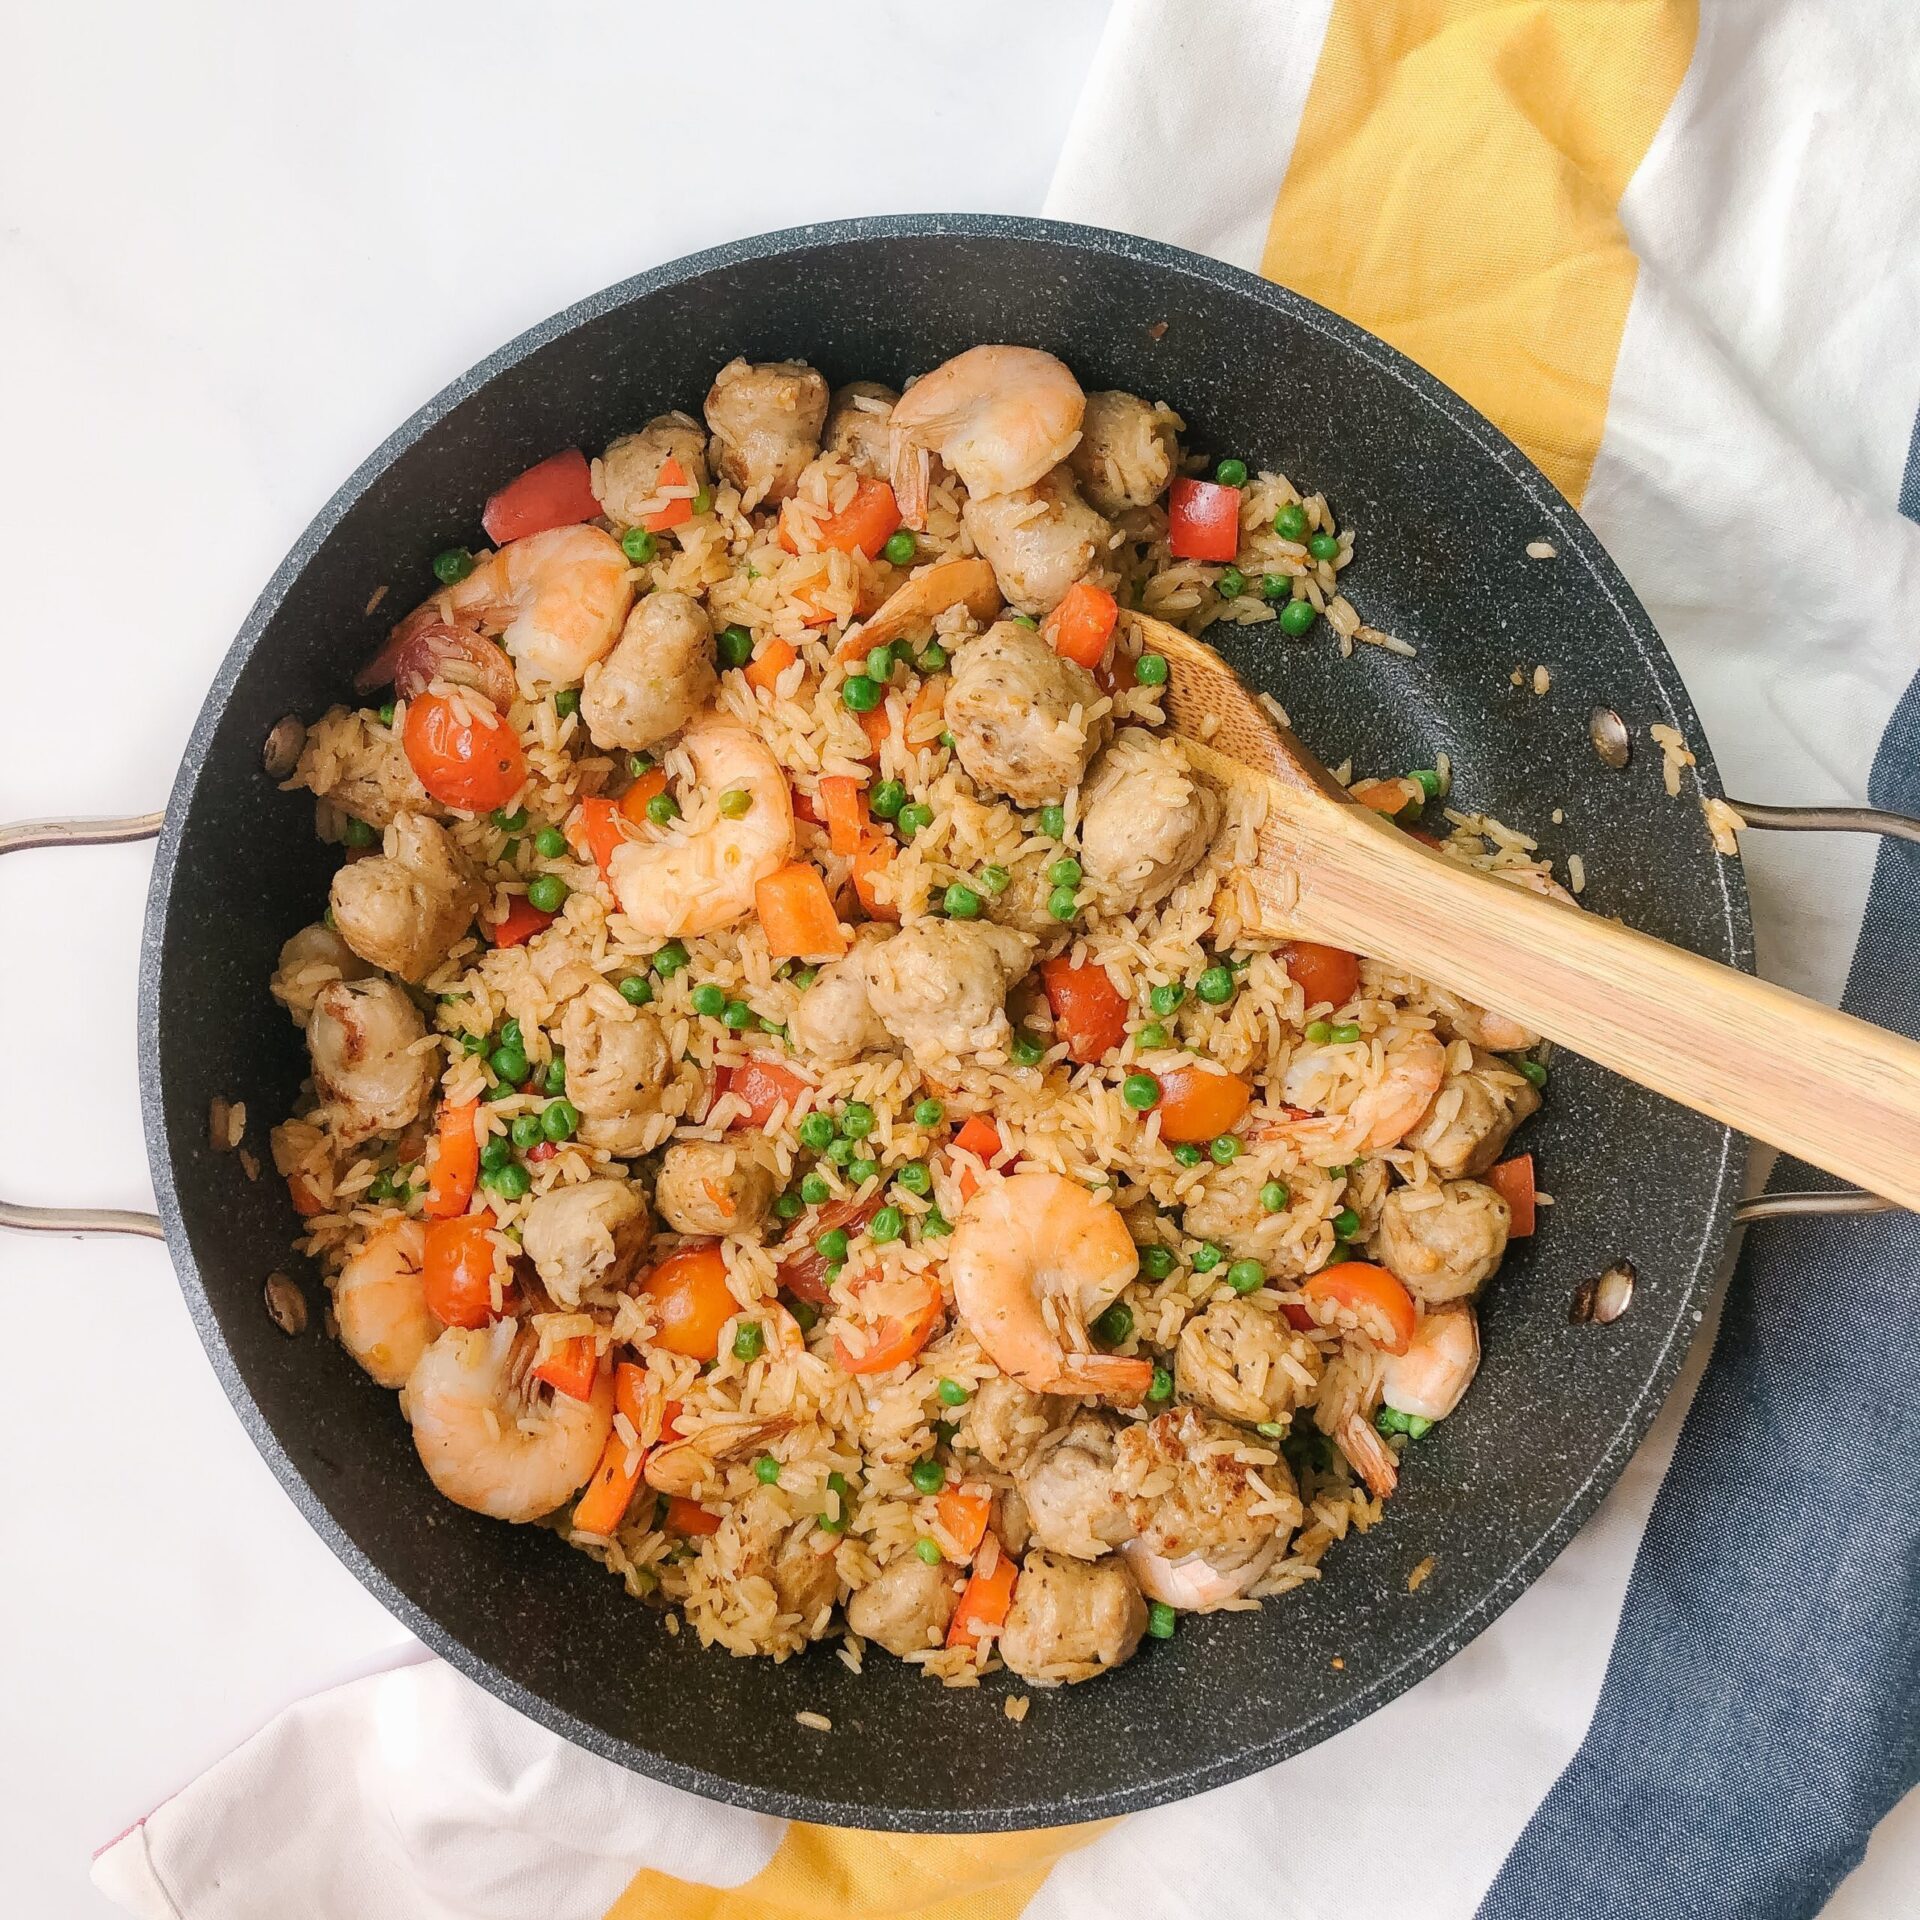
[1109,1376]
[912,478]
[1369,1456]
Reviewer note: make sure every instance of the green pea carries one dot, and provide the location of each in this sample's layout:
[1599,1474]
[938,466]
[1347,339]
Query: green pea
[736,803]
[929,1113]
[1065,873]
[1273,1429]
[1392,1420]
[886,1225]
[1025,620]
[566,701]
[511,1035]
[832,1245]
[946,740]
[816,1132]
[935,1225]
[1150,670]
[804,1316]
[788,1206]
[1141,1091]
[1215,986]
[1231,473]
[1275,586]
[1231,584]
[914,1177]
[357,834]
[1274,1196]
[638,545]
[860,693]
[1187,1154]
[510,1182]
[1224,1150]
[526,1131]
[1151,1037]
[1113,1326]
[1165,998]
[767,1470]
[472,1043]
[504,1091]
[550,843]
[1324,546]
[703,499]
[953,1394]
[508,1064]
[635,989]
[962,902]
[1246,1276]
[1430,782]
[1533,1070]
[934,658]
[1346,1223]
[839,1508]
[748,1338]
[1319,1032]
[380,1187]
[914,817]
[1161,1620]
[880,664]
[1063,903]
[886,799]
[388,709]
[1053,822]
[805,978]
[1206,1256]
[738,1016]
[900,549]
[840,1151]
[734,646]
[860,1169]
[928,1476]
[662,809]
[1346,1033]
[556,1076]
[815,1190]
[452,566]
[1162,1388]
[1290,523]
[559,1121]
[1156,1262]
[670,959]
[856,1120]
[709,1000]
[1296,617]
[1027,1051]
[639,763]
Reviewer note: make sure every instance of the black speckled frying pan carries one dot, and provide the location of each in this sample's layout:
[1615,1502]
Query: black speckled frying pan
[1445,508]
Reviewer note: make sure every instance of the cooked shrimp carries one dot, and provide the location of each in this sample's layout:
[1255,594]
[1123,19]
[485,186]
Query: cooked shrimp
[1195,1584]
[1034,1258]
[1369,1456]
[1380,1115]
[1431,1378]
[683,1467]
[1000,417]
[700,879]
[380,1305]
[490,1437]
[556,599]
[920,601]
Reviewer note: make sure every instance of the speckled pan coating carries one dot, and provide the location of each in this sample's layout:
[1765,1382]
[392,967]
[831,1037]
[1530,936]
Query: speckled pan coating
[1445,508]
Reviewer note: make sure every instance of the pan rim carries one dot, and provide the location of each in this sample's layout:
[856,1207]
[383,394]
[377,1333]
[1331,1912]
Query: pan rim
[1695,1283]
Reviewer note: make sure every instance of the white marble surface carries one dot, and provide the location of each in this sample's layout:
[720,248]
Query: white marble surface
[238,244]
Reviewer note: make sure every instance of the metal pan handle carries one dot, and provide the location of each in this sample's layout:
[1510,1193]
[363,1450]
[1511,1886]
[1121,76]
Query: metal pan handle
[79,833]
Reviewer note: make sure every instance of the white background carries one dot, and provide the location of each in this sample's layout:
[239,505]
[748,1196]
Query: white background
[238,244]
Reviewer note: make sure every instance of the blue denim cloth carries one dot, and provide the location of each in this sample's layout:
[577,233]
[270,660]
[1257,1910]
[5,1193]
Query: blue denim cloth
[1761,1708]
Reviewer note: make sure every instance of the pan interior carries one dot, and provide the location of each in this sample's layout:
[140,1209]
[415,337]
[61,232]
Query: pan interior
[1445,510]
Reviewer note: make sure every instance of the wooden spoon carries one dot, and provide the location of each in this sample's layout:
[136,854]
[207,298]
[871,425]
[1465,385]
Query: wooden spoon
[1830,1089]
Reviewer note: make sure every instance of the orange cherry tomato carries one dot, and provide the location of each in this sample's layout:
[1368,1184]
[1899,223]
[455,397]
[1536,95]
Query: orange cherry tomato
[804,1272]
[570,1368]
[457,1270]
[691,1300]
[766,1086]
[894,1337]
[453,1164]
[1196,1105]
[475,765]
[1381,1307]
[556,493]
[1324,974]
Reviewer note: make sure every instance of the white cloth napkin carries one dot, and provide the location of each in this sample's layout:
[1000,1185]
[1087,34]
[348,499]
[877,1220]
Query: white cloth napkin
[1750,430]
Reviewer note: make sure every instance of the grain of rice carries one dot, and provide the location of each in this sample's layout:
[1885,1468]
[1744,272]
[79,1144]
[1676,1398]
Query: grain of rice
[1542,550]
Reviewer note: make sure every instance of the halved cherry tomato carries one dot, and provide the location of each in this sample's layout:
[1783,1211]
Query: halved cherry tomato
[691,1300]
[556,493]
[766,1086]
[985,1601]
[520,923]
[963,1513]
[1203,520]
[1324,974]
[1081,625]
[570,1367]
[1297,1316]
[453,1161]
[1197,1105]
[456,1272]
[863,525]
[804,1271]
[1091,1010]
[894,1337]
[474,764]
[1381,1305]
[1512,1180]
[676,513]
[689,1516]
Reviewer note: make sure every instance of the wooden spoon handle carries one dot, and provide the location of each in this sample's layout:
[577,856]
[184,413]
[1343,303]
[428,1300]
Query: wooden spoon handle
[1833,1090]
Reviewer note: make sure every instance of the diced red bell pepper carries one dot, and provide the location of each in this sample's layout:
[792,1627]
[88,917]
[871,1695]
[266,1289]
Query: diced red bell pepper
[1203,520]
